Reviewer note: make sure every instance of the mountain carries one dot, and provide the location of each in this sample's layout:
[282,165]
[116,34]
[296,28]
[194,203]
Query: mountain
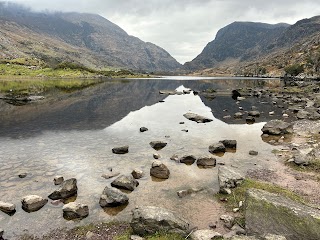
[239,41]
[87,39]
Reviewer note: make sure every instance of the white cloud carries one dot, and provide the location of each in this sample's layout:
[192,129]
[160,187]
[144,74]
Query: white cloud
[183,27]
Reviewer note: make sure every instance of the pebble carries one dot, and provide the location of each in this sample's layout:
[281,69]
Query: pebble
[156,156]
[22,175]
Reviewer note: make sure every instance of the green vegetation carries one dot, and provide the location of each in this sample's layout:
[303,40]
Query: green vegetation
[294,69]
[314,166]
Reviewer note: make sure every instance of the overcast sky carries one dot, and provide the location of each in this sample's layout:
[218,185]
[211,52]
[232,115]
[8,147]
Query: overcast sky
[183,27]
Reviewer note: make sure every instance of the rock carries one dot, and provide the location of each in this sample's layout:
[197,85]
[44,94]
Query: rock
[22,175]
[253,153]
[228,178]
[206,162]
[235,94]
[67,189]
[244,238]
[238,230]
[250,120]
[167,92]
[7,207]
[91,235]
[158,145]
[137,173]
[280,215]
[58,180]
[302,114]
[143,129]
[300,159]
[75,210]
[110,175]
[197,118]
[149,220]
[277,127]
[33,203]
[229,143]
[274,237]
[205,234]
[156,156]
[254,113]
[120,150]
[175,157]
[184,193]
[125,182]
[188,159]
[228,220]
[238,115]
[112,197]
[271,113]
[159,170]
[217,148]
[135,237]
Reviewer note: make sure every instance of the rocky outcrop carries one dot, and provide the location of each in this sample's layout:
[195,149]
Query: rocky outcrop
[277,127]
[158,145]
[67,189]
[112,197]
[75,210]
[188,159]
[149,220]
[33,203]
[206,162]
[8,208]
[197,118]
[125,182]
[217,148]
[159,170]
[120,150]
[280,216]
[228,178]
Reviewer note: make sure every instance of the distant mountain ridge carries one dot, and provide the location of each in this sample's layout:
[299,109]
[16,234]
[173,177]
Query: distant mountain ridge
[88,39]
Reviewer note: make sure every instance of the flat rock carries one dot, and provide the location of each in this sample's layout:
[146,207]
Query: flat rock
[67,189]
[188,159]
[205,234]
[159,170]
[7,207]
[229,143]
[120,150]
[277,127]
[206,162]
[228,178]
[112,197]
[125,182]
[197,118]
[217,148]
[158,145]
[147,220]
[75,210]
[33,203]
[281,216]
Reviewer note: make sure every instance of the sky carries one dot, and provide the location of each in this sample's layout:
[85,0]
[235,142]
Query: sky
[183,27]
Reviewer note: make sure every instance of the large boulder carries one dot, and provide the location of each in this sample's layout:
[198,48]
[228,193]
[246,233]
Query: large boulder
[75,210]
[188,159]
[112,197]
[67,189]
[125,182]
[159,170]
[206,162]
[272,213]
[120,150]
[197,118]
[33,203]
[228,178]
[158,145]
[217,148]
[150,220]
[277,127]
[7,207]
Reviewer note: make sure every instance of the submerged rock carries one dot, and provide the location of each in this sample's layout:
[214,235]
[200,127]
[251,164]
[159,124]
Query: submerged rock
[159,170]
[125,182]
[120,150]
[217,148]
[277,127]
[254,113]
[157,145]
[112,197]
[272,213]
[33,203]
[67,189]
[238,115]
[149,220]
[197,118]
[75,210]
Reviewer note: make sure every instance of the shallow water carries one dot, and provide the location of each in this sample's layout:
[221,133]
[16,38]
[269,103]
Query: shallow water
[73,134]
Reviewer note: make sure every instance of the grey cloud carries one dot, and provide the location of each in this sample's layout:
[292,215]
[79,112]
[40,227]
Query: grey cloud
[183,27]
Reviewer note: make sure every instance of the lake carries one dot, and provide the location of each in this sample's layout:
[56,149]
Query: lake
[72,134]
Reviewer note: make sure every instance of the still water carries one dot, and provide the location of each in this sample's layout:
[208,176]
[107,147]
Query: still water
[72,134]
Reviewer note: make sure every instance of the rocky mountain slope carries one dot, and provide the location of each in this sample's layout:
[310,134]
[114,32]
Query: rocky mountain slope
[87,39]
[244,48]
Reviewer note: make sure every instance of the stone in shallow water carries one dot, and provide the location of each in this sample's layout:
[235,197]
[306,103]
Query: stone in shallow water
[33,203]
[188,159]
[58,180]
[137,173]
[159,170]
[125,182]
[112,197]
[158,145]
[206,162]
[67,189]
[120,150]
[217,148]
[7,207]
[143,129]
[75,210]
[229,143]
[197,118]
